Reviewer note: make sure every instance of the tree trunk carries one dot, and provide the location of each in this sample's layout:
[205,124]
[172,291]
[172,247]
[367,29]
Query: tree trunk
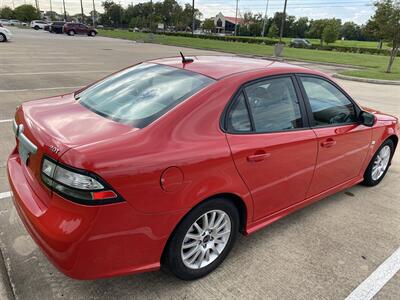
[393,55]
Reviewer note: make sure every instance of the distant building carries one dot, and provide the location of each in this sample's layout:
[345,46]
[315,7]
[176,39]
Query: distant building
[224,24]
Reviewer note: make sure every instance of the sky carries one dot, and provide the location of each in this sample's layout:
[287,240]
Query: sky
[358,11]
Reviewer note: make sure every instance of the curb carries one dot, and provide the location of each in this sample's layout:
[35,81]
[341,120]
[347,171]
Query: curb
[366,80]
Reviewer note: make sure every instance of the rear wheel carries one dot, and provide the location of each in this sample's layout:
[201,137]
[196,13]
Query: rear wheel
[36,27]
[379,164]
[3,38]
[203,239]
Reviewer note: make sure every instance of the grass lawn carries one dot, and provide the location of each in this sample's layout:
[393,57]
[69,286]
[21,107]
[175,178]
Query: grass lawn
[375,64]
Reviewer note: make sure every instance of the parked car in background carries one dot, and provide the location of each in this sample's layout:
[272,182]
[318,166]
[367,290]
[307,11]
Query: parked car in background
[167,161]
[5,34]
[79,28]
[57,27]
[5,22]
[300,43]
[47,27]
[15,22]
[38,24]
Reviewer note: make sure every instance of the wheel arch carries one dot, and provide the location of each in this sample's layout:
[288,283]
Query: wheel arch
[236,200]
[394,139]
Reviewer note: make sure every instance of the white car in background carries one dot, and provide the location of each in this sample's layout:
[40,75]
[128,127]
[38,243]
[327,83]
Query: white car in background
[4,22]
[5,34]
[15,22]
[38,24]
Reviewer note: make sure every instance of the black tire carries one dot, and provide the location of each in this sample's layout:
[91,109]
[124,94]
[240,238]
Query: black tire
[368,179]
[3,38]
[173,258]
[71,33]
[92,33]
[36,27]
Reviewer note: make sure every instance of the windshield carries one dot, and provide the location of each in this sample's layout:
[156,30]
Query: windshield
[141,94]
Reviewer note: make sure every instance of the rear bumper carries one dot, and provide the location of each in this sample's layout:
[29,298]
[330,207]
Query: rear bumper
[86,242]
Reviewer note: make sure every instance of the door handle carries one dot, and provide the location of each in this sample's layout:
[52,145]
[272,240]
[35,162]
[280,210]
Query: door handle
[328,143]
[257,157]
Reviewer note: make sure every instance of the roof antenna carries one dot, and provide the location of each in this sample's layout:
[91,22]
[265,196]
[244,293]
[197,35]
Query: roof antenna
[184,59]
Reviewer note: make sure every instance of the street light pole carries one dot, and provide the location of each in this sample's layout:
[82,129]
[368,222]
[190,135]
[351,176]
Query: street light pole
[81,11]
[65,13]
[237,4]
[283,22]
[193,22]
[151,16]
[94,15]
[265,19]
[51,11]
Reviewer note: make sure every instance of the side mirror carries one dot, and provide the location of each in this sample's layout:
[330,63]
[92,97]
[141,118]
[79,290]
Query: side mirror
[367,119]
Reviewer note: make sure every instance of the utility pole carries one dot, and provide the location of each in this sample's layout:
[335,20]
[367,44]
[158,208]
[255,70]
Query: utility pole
[65,13]
[81,11]
[193,22]
[283,22]
[265,19]
[51,12]
[94,15]
[237,4]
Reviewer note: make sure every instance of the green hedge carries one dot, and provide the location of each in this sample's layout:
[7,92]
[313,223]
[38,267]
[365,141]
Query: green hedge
[265,41]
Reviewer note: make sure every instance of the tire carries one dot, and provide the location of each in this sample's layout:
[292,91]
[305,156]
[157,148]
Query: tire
[3,38]
[36,27]
[92,33]
[204,243]
[381,160]
[71,33]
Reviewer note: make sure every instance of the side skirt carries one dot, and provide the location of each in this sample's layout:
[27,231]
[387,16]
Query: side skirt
[261,223]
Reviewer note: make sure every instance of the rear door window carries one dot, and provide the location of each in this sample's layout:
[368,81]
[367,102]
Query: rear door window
[141,94]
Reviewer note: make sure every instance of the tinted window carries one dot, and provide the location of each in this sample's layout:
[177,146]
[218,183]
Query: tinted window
[274,105]
[141,94]
[328,104]
[238,116]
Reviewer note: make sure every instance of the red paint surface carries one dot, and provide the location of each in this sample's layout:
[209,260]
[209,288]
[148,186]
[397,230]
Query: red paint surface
[170,166]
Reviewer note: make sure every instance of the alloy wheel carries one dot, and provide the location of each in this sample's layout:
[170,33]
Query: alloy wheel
[381,163]
[206,238]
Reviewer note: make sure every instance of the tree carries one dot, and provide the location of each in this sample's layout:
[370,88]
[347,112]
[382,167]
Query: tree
[113,14]
[273,31]
[387,26]
[300,27]
[6,13]
[331,31]
[26,13]
[350,31]
[316,29]
[208,25]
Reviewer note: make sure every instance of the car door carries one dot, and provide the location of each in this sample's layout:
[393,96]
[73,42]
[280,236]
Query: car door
[273,148]
[343,143]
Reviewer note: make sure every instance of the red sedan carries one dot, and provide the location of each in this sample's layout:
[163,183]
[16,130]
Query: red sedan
[167,161]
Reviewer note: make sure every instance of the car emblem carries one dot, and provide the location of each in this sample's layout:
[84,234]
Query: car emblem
[54,149]
[25,146]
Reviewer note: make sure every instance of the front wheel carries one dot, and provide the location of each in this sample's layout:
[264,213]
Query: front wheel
[92,33]
[71,33]
[36,27]
[379,164]
[3,38]
[203,239]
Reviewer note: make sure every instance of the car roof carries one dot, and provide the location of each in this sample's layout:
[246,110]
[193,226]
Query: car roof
[218,67]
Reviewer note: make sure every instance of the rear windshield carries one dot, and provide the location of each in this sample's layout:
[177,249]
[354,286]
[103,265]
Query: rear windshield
[141,94]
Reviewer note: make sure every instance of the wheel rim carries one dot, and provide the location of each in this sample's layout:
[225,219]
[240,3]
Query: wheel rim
[381,162]
[206,239]
[1,38]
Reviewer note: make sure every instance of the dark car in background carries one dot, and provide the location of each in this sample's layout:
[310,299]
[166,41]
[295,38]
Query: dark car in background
[300,43]
[78,28]
[57,27]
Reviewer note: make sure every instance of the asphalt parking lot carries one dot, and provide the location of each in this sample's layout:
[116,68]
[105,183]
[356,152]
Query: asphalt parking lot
[324,251]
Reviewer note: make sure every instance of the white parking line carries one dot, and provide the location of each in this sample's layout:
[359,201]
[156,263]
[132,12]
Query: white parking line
[5,195]
[42,89]
[57,72]
[6,120]
[375,282]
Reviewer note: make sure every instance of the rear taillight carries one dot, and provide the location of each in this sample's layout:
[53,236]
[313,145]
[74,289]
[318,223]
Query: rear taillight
[77,185]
